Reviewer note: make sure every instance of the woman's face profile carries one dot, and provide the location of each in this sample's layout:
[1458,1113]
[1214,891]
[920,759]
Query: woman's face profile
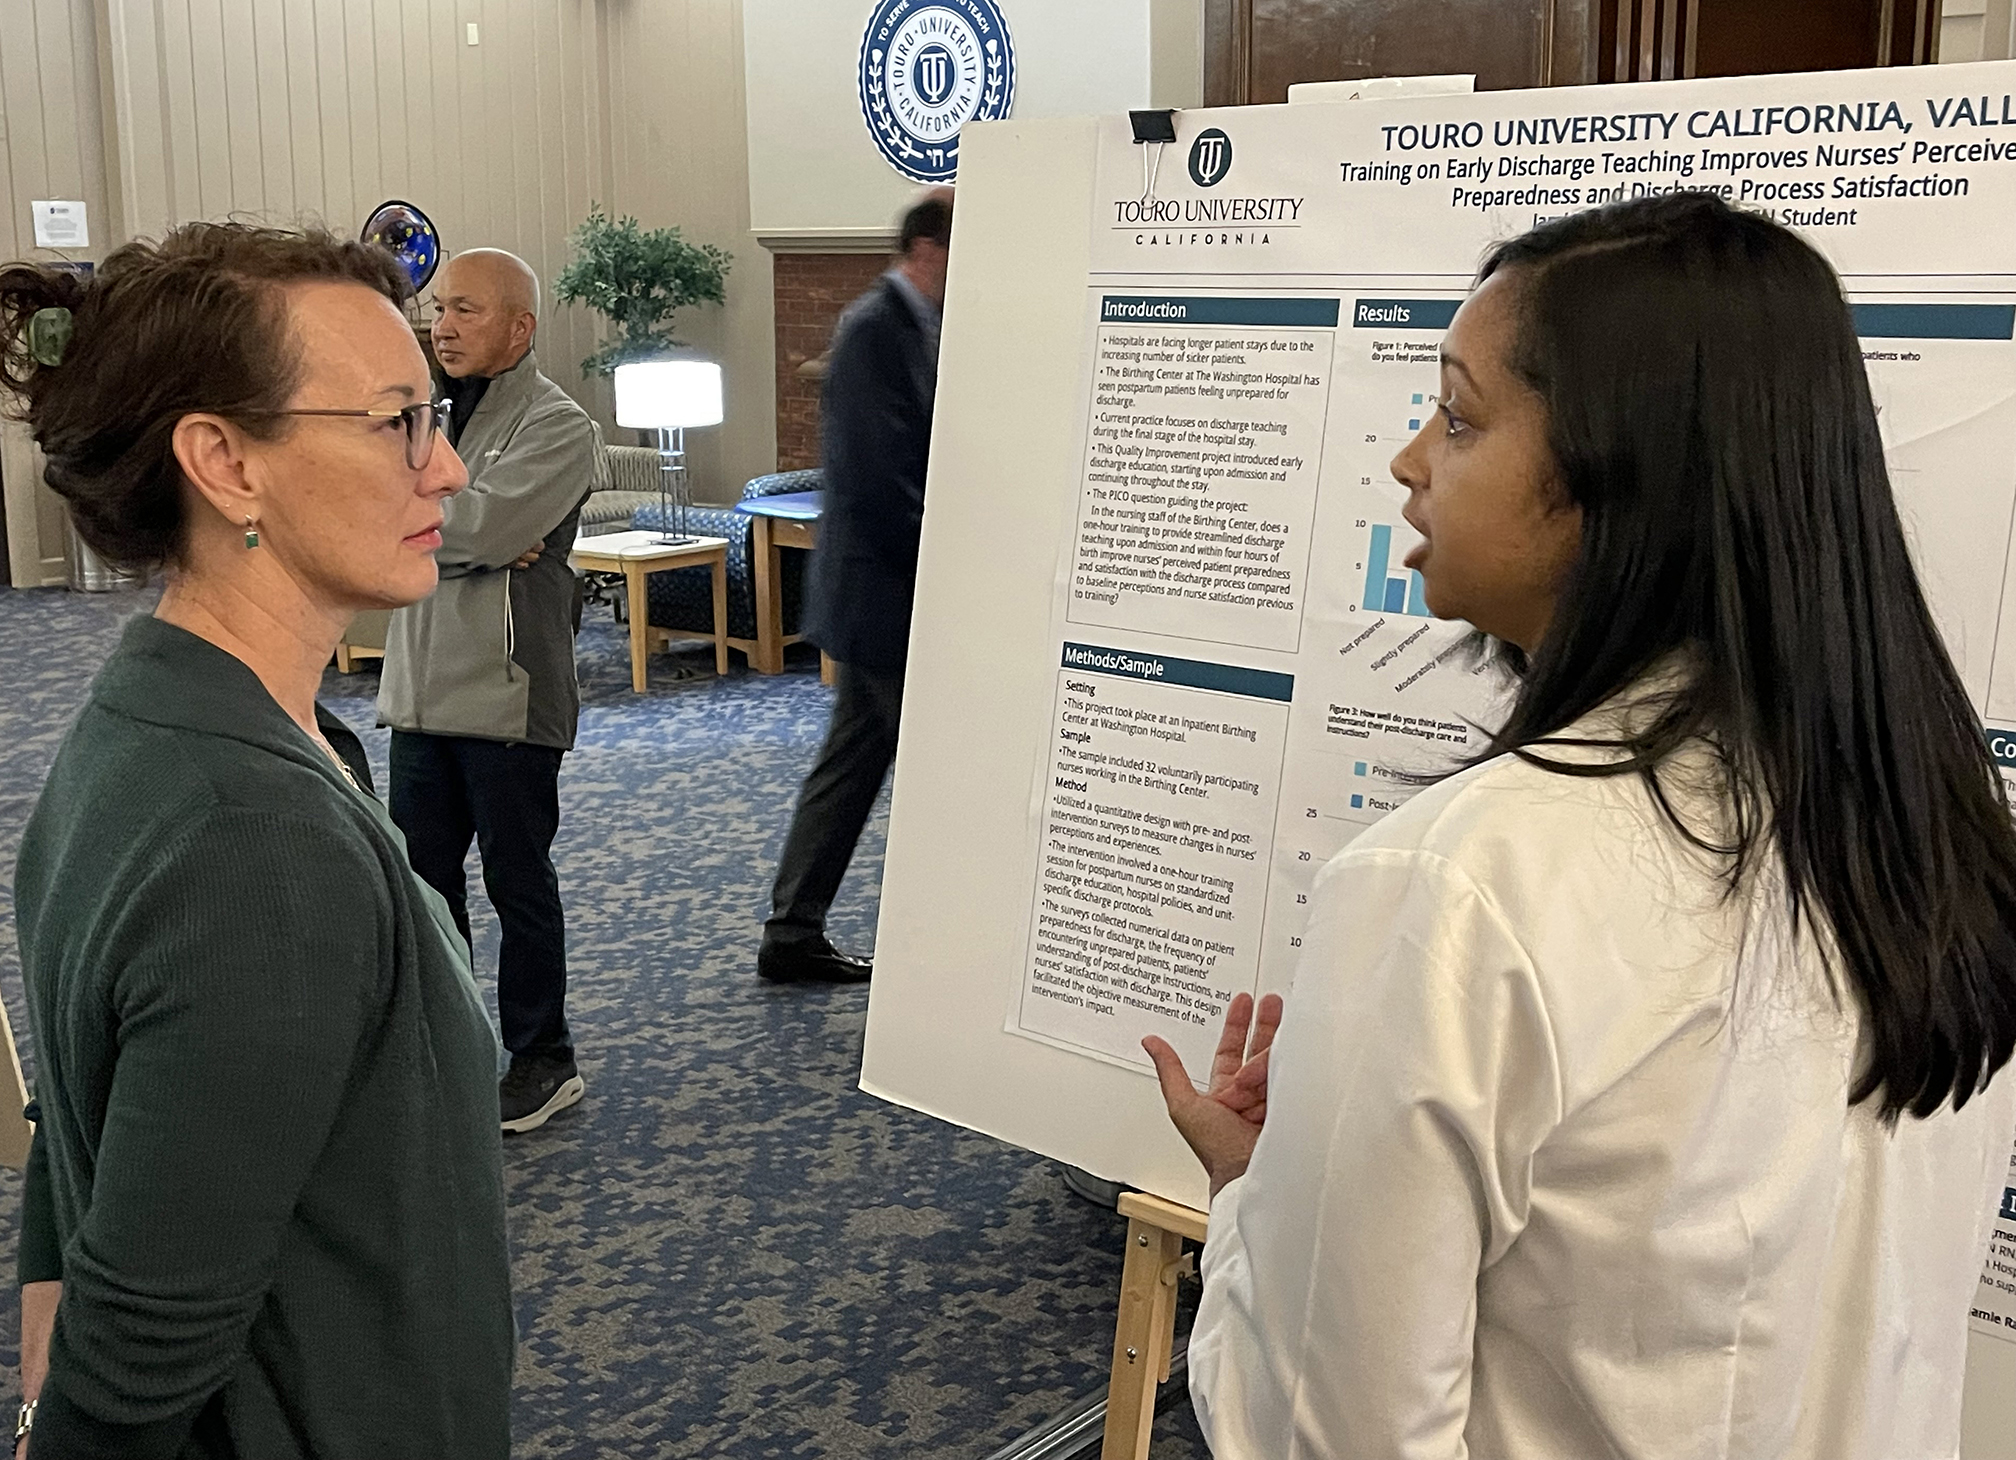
[351,518]
[1499,532]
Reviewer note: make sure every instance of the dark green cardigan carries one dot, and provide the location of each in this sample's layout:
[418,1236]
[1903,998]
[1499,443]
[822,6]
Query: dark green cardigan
[268,1168]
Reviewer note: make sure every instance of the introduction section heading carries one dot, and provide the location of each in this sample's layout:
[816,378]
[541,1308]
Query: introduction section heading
[1146,309]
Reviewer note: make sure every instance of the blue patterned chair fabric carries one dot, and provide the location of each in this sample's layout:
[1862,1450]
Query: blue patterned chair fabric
[685,599]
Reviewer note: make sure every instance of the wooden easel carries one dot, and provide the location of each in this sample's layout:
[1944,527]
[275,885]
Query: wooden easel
[1145,1332]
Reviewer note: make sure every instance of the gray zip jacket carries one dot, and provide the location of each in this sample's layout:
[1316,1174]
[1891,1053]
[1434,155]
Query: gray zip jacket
[490,653]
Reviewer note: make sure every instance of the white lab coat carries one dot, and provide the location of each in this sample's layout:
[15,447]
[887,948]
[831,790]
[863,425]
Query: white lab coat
[1559,1164]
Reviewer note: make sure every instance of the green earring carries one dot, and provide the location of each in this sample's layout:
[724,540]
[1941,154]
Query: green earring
[251,533]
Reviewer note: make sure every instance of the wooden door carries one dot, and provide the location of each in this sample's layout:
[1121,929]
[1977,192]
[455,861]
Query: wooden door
[1255,49]
[1657,40]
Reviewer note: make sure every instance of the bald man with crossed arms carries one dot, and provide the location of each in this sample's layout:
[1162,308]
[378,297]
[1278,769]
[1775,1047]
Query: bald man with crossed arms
[479,684]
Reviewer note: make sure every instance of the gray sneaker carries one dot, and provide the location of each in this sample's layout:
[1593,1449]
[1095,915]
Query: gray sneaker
[534,1090]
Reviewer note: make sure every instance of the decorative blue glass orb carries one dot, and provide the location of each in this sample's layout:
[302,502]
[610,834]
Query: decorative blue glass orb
[409,235]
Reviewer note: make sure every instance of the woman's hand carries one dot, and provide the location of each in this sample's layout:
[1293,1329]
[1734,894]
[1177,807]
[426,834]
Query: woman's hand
[1223,1124]
[38,1325]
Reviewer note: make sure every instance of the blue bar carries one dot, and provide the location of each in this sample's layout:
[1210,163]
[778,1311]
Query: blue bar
[1396,595]
[1935,321]
[1154,309]
[1404,314]
[1375,569]
[1417,596]
[1257,684]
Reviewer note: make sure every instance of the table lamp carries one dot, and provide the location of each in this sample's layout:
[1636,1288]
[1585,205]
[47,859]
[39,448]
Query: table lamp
[667,396]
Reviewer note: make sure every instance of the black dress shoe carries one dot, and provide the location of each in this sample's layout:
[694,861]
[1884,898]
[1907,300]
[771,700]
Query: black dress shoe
[812,961]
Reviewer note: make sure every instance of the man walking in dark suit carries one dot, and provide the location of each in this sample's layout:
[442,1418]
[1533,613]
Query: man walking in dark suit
[881,377]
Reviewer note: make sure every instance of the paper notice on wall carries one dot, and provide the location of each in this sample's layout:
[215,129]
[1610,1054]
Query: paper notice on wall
[61,225]
[1995,1302]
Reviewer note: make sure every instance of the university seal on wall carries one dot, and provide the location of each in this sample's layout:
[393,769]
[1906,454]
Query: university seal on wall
[928,67]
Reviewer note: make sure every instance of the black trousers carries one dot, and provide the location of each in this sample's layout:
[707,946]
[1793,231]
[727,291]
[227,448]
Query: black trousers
[447,790]
[835,801]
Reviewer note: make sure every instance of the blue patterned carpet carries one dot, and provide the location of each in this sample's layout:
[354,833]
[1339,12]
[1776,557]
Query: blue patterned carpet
[727,1249]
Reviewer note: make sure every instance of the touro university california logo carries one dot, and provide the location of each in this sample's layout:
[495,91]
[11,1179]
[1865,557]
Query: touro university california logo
[1210,158]
[928,67]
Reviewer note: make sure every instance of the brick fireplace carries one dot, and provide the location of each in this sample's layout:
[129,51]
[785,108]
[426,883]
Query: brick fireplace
[810,290]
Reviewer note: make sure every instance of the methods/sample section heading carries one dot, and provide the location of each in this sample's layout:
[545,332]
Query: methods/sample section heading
[1259,684]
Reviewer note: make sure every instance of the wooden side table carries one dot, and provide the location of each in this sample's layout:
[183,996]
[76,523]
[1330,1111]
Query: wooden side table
[637,555]
[364,639]
[789,520]
[349,657]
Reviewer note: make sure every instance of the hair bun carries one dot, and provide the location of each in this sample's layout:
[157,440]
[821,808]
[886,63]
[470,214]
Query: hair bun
[37,320]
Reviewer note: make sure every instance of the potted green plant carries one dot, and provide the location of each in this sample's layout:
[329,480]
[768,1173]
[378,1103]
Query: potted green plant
[637,279]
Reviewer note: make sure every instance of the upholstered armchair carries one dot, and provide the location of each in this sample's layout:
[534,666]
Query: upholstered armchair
[685,599]
[633,481]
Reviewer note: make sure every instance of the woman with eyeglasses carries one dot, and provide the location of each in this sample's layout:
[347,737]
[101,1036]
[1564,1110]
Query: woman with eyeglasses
[1643,1087]
[264,1209]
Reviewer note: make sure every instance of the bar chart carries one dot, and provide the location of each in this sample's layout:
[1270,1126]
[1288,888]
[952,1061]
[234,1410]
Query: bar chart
[1943,376]
[1387,591]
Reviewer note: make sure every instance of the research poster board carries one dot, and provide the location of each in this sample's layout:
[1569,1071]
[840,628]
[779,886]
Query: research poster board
[1167,658]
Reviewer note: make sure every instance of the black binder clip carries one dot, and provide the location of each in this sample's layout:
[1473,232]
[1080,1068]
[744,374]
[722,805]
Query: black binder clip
[1153,126]
[1157,129]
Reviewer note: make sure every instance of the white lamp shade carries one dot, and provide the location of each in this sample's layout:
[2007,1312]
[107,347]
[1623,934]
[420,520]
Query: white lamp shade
[668,394]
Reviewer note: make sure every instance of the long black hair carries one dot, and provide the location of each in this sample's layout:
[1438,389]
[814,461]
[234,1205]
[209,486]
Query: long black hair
[1709,413]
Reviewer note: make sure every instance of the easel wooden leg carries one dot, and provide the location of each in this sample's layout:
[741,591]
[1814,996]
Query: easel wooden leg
[344,663]
[640,627]
[1141,1338]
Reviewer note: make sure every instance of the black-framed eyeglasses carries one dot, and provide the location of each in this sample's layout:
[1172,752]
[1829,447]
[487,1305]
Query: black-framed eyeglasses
[422,420]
